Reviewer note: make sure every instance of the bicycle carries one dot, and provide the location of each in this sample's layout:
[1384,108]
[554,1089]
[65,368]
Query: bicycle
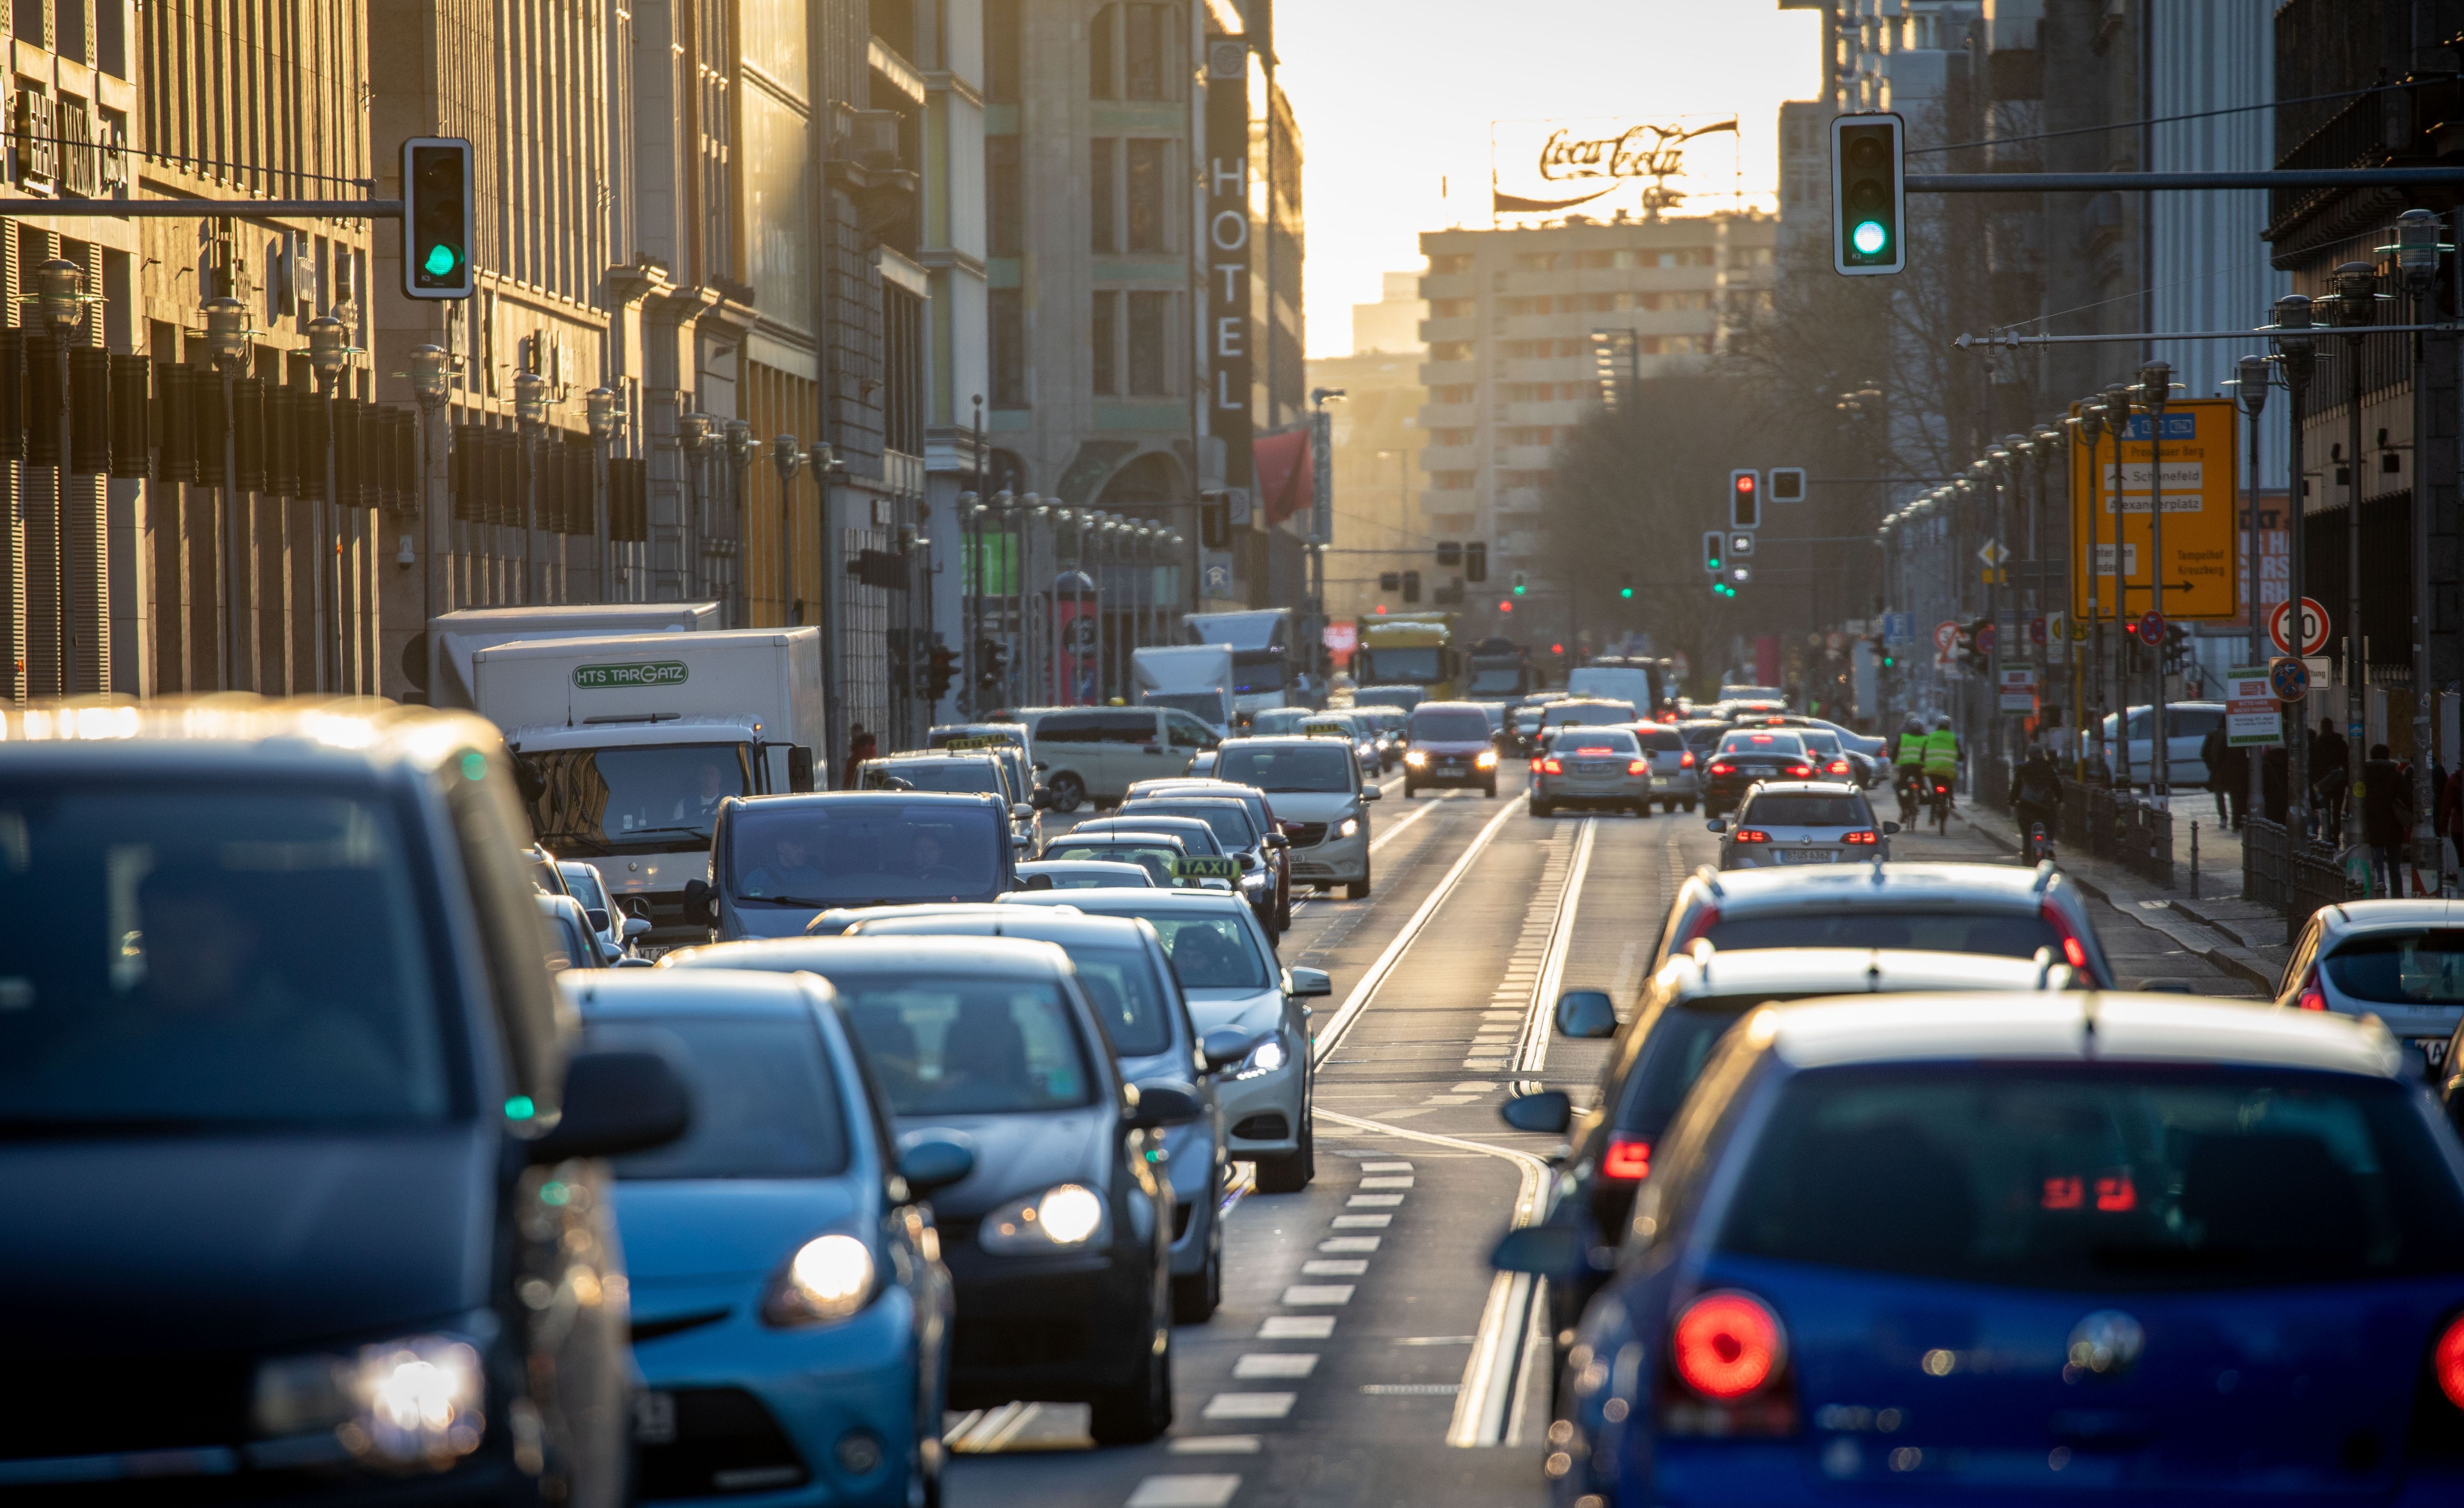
[1940,803]
[1909,801]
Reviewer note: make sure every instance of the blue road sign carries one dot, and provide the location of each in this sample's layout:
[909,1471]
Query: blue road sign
[2289,679]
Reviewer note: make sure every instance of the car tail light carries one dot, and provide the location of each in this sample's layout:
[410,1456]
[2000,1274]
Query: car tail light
[1867,838]
[1638,767]
[2311,997]
[2447,1361]
[1836,767]
[1726,1346]
[1722,767]
[1800,769]
[1750,835]
[1686,760]
[1627,1157]
[2074,950]
[1552,767]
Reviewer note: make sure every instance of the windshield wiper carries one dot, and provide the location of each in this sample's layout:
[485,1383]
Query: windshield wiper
[643,832]
[793,900]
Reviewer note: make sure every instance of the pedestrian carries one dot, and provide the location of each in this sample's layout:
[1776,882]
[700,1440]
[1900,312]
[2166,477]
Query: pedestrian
[2213,754]
[2328,779]
[861,746]
[2387,815]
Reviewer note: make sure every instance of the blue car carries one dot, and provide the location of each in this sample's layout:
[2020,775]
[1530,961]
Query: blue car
[2021,1248]
[791,1314]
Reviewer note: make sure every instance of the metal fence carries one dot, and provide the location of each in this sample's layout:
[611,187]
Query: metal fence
[2263,850]
[2315,878]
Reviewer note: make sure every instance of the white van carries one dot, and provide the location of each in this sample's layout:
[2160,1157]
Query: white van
[1095,753]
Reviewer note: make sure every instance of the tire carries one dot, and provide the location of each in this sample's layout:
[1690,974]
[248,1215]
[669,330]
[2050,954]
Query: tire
[1068,791]
[1359,890]
[1642,808]
[1195,1294]
[1689,806]
[1489,790]
[1541,808]
[1291,1172]
[1411,791]
[1137,1413]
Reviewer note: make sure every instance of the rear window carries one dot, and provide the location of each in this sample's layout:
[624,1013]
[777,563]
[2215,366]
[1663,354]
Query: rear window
[2003,935]
[1772,742]
[1592,714]
[2114,1178]
[933,774]
[1461,725]
[1155,862]
[1661,740]
[1595,740]
[1808,811]
[1673,1053]
[1129,999]
[764,1102]
[2425,968]
[1212,953]
[1230,824]
[968,1045]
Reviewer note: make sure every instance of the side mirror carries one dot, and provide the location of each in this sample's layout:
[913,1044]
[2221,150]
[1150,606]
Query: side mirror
[1717,824]
[800,768]
[616,1103]
[1889,828]
[1586,1013]
[636,926]
[1160,1104]
[1278,840]
[597,918]
[1548,1112]
[698,908]
[1036,882]
[1305,983]
[1371,792]
[1547,1250]
[933,1165]
[1224,1047]
[1022,811]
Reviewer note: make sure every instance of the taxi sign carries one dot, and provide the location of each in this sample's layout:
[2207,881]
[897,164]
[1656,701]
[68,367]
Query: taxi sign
[2202,521]
[2289,679]
[1205,866]
[977,741]
[1325,731]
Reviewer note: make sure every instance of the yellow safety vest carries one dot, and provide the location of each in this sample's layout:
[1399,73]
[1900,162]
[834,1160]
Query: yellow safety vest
[1911,750]
[1940,752]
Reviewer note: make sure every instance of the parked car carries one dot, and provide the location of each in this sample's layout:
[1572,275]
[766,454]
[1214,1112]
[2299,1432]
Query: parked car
[1978,1249]
[298,1130]
[2400,961]
[1058,1239]
[791,1314]
[2186,726]
[1786,822]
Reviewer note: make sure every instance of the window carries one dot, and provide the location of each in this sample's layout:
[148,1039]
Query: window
[596,801]
[1005,198]
[1451,351]
[1454,481]
[1453,308]
[1451,393]
[1146,42]
[1129,999]
[1212,953]
[1134,729]
[865,853]
[1100,44]
[969,1045]
[1103,195]
[1528,434]
[1104,337]
[1444,724]
[1000,53]
[1150,199]
[1008,342]
[1440,266]
[1273,768]
[1450,437]
[2402,968]
[765,1102]
[1070,728]
[1150,344]
[1535,261]
[1790,810]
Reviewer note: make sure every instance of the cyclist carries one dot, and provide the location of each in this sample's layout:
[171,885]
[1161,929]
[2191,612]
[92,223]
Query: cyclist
[1908,758]
[1942,756]
[2035,797]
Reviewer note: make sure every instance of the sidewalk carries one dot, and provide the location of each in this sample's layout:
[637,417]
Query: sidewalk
[2239,939]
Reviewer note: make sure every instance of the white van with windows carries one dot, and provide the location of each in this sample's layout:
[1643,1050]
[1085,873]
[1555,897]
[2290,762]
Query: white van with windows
[1095,753]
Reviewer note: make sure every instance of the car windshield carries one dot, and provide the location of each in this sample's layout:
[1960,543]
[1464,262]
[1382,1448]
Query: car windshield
[1661,740]
[2120,1178]
[1596,741]
[1999,934]
[2425,968]
[1678,1041]
[613,800]
[1785,810]
[764,1102]
[215,955]
[1211,952]
[1448,725]
[1289,768]
[968,1045]
[961,776]
[1411,663]
[864,851]
[1819,741]
[1228,823]
[583,881]
[1129,1001]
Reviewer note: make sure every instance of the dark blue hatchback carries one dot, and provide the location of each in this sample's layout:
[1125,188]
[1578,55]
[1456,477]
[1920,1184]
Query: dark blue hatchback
[2140,1248]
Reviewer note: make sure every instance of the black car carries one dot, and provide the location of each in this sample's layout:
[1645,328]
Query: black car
[1059,1240]
[1745,756]
[1241,836]
[777,861]
[299,1167]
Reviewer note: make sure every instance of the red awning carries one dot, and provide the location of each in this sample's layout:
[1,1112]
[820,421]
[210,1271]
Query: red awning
[1287,473]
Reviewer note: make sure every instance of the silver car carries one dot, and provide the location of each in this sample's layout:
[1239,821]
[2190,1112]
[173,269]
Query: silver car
[1591,767]
[1784,822]
[1676,768]
[2400,961]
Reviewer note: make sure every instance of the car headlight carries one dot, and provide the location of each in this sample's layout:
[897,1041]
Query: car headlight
[1348,827]
[1063,1217]
[829,1277]
[1263,1058]
[415,1402]
[1416,759]
[1485,759]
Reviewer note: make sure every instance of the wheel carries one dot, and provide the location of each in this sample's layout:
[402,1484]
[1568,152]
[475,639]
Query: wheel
[1690,805]
[1409,791]
[1541,808]
[1642,808]
[1195,1294]
[1489,790]
[1284,912]
[1137,1413]
[1357,889]
[1068,791]
[1291,1172]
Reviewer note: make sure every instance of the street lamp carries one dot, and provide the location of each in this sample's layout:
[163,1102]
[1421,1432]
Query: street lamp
[329,354]
[787,458]
[739,446]
[693,440]
[2297,357]
[2417,248]
[602,410]
[531,399]
[2356,308]
[2154,391]
[226,343]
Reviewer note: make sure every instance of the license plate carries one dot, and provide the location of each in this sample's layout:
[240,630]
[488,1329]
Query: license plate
[1800,856]
[1593,767]
[654,1418]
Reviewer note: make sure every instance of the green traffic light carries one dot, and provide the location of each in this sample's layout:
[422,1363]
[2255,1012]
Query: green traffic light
[440,260]
[1625,591]
[1518,591]
[1869,237]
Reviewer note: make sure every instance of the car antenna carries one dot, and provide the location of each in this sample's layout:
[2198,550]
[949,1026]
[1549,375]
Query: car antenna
[1874,971]
[2044,876]
[2087,1024]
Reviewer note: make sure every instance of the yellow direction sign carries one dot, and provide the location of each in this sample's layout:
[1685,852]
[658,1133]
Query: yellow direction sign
[2201,478]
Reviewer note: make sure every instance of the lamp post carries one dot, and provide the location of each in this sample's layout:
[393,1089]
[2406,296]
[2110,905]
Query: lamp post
[2117,424]
[227,340]
[693,441]
[740,448]
[605,411]
[2155,390]
[971,605]
[2045,446]
[530,408]
[430,370]
[787,458]
[821,459]
[2297,354]
[2357,296]
[2000,476]
[59,293]
[329,353]
[2417,249]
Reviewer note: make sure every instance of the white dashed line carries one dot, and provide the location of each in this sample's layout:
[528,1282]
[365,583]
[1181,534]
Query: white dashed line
[1216,1445]
[1297,1327]
[1401,1168]
[1268,1365]
[1363,1222]
[1250,1406]
[1302,1295]
[1334,1267]
[1391,1181]
[1350,1243]
[1184,1492]
[1374,1201]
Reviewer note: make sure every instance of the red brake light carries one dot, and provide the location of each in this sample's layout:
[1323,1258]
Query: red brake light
[1800,769]
[1638,767]
[2448,1361]
[1686,760]
[1722,767]
[1866,838]
[1627,1157]
[1751,835]
[1760,739]
[2311,997]
[1550,766]
[2073,952]
[1727,1345]
[1836,767]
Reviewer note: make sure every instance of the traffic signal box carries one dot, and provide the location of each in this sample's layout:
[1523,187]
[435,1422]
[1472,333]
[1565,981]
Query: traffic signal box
[437,217]
[1745,499]
[1868,195]
[1475,561]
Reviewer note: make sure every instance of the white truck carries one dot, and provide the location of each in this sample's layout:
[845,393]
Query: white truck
[628,744]
[456,638]
[1196,678]
[1263,671]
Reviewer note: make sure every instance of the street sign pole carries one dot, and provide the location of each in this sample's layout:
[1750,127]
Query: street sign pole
[2156,379]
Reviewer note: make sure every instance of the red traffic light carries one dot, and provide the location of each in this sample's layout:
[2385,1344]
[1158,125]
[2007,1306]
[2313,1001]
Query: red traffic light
[1745,481]
[1557,649]
[1506,605]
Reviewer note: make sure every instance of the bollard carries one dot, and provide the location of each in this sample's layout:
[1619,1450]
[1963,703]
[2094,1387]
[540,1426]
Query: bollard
[2194,861]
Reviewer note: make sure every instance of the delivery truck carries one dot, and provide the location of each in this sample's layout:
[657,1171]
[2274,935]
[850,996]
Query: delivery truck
[627,745]
[455,638]
[1263,671]
[1196,678]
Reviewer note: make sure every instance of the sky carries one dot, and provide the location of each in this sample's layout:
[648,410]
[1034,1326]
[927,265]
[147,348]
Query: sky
[1392,96]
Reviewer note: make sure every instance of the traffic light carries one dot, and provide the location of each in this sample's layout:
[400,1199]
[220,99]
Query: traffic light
[992,661]
[1506,604]
[1215,520]
[1745,499]
[1625,587]
[940,672]
[1475,562]
[1411,586]
[1715,550]
[1522,582]
[437,217]
[1788,484]
[1868,197]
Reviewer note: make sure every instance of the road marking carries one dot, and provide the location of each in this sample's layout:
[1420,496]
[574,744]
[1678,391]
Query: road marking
[1216,1445]
[1561,937]
[1357,1001]
[1350,1243]
[1334,1267]
[1301,1295]
[1274,1364]
[1391,1181]
[1449,1099]
[1297,1327]
[1397,1168]
[1421,809]
[1467,1087]
[1362,1222]
[1250,1406]
[1411,1389]
[1437,1340]
[1184,1492]
[1372,1201]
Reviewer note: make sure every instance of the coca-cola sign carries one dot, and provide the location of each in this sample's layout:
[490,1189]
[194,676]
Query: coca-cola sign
[1534,164]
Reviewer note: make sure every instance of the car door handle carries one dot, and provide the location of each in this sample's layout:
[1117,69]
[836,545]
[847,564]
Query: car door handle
[1151,749]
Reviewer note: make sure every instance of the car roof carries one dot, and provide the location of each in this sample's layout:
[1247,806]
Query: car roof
[2391,915]
[1078,866]
[636,993]
[1126,899]
[992,957]
[1806,787]
[1276,740]
[2080,1026]
[1706,970]
[1454,705]
[243,733]
[1010,921]
[913,755]
[1886,884]
[1200,785]
[824,800]
[1126,837]
[1178,798]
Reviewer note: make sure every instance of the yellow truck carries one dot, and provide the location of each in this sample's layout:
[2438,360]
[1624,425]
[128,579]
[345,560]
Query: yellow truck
[1414,649]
